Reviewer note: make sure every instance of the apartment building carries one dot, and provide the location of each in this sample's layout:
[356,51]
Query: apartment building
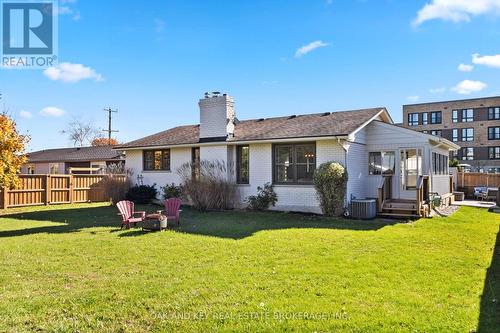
[473,124]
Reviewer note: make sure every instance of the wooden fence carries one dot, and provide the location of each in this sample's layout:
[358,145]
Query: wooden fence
[466,181]
[56,189]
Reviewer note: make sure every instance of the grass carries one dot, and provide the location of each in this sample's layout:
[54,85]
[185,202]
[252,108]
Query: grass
[69,268]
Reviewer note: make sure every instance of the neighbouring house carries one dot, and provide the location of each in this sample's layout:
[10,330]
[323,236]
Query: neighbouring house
[384,161]
[78,160]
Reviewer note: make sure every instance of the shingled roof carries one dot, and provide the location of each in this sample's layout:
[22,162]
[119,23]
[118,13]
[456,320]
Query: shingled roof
[78,154]
[301,126]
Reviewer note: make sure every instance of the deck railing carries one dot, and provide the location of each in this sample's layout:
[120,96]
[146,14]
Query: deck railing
[55,189]
[422,194]
[384,191]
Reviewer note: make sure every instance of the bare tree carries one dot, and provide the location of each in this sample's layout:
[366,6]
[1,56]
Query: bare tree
[80,132]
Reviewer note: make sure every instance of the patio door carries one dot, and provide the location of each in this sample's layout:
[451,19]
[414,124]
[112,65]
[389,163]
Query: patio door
[410,169]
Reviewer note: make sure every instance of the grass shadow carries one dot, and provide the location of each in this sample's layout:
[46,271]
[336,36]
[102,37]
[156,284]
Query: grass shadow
[489,316]
[229,224]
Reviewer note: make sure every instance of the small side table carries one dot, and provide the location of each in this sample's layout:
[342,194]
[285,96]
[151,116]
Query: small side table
[155,222]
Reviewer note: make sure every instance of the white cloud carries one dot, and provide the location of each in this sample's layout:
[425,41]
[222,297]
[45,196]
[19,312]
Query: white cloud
[309,47]
[68,72]
[490,61]
[52,111]
[437,90]
[465,68]
[467,87]
[413,98]
[456,10]
[25,114]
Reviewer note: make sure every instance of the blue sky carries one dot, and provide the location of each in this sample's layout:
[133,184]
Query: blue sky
[154,59]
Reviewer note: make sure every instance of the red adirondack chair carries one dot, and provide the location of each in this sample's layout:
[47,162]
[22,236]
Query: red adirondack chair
[172,209]
[129,216]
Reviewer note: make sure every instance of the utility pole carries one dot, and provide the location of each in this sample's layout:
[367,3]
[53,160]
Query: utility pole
[110,130]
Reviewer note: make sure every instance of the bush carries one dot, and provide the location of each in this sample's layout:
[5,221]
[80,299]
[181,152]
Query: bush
[142,194]
[171,191]
[115,187]
[265,197]
[330,182]
[213,189]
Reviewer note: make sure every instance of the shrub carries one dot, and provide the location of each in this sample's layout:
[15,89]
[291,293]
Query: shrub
[142,194]
[171,191]
[212,189]
[115,187]
[330,182]
[265,197]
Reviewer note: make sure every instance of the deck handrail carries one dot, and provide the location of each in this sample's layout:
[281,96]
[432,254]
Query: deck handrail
[384,190]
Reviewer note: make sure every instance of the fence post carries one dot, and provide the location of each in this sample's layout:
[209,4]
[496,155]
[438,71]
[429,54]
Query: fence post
[71,188]
[5,197]
[47,189]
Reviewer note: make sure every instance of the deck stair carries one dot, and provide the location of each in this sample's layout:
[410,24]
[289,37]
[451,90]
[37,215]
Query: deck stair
[399,208]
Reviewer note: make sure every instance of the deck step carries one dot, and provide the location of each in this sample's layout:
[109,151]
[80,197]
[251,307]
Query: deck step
[403,209]
[398,215]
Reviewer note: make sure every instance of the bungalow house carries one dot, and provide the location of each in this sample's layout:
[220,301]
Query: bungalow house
[79,160]
[395,165]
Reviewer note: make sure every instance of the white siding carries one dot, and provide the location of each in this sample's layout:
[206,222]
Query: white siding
[178,156]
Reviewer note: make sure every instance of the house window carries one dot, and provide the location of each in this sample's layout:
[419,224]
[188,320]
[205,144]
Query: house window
[294,163]
[156,160]
[455,135]
[494,113]
[493,133]
[30,169]
[467,154]
[467,115]
[494,153]
[412,119]
[454,117]
[242,164]
[381,163]
[436,132]
[467,134]
[439,164]
[54,168]
[436,117]
[424,118]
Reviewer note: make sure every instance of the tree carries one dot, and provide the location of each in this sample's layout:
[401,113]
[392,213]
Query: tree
[104,142]
[12,148]
[80,132]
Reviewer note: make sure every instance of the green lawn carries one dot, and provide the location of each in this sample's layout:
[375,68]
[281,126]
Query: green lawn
[69,268]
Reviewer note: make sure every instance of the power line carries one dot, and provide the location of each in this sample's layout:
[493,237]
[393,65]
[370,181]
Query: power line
[110,130]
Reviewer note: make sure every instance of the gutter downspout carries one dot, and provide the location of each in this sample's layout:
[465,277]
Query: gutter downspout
[347,213]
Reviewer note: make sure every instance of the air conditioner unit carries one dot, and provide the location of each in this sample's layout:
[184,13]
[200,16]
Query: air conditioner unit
[364,209]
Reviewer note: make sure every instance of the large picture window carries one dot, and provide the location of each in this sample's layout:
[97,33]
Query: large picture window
[294,163]
[156,160]
[381,163]
[242,164]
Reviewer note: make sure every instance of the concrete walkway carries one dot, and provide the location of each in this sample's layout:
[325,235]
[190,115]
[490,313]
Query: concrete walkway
[474,203]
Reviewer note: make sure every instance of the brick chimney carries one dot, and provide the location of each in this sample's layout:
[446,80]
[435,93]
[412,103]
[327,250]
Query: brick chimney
[216,116]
